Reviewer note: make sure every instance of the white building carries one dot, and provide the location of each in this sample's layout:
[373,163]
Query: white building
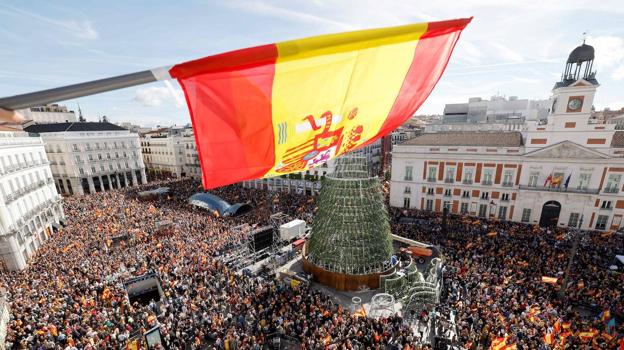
[560,173]
[52,113]
[497,109]
[30,207]
[88,157]
[171,152]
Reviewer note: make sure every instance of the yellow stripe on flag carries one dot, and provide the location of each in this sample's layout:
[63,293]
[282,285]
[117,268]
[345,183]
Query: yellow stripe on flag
[336,90]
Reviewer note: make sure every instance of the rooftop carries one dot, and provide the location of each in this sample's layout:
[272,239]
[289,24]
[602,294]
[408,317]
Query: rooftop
[75,126]
[489,139]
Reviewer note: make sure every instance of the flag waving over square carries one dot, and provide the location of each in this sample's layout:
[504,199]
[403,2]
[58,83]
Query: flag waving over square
[281,108]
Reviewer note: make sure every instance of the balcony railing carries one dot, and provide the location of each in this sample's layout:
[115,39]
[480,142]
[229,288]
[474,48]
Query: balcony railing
[467,182]
[606,208]
[449,181]
[486,183]
[408,178]
[431,179]
[508,184]
[560,189]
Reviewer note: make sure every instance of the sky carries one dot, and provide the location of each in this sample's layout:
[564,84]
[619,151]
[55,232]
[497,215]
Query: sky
[511,48]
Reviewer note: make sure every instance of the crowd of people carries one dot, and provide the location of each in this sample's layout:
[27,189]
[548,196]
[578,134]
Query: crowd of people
[72,296]
[494,283]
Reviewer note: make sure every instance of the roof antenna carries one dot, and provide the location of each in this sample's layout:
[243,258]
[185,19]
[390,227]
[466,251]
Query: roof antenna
[584,36]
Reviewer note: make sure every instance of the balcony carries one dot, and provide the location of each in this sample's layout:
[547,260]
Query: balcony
[407,191]
[431,179]
[449,181]
[486,183]
[560,189]
[447,194]
[408,179]
[606,208]
[467,182]
[508,184]
[612,189]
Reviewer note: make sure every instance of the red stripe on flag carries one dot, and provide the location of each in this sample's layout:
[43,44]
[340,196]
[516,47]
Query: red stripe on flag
[229,97]
[424,72]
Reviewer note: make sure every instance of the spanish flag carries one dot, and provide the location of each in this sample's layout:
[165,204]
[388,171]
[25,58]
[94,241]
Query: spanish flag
[281,108]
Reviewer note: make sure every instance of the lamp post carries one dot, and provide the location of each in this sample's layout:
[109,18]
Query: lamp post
[575,243]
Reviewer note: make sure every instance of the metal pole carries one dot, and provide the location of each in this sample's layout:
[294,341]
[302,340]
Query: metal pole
[577,236]
[83,89]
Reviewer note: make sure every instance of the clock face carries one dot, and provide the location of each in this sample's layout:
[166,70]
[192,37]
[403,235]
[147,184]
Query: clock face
[575,103]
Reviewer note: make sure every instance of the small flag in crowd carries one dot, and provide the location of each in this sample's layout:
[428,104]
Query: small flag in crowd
[549,280]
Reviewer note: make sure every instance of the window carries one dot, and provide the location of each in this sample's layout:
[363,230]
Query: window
[90,156]
[408,172]
[482,210]
[533,177]
[508,178]
[81,171]
[487,177]
[429,204]
[93,169]
[430,191]
[505,196]
[447,192]
[77,159]
[502,213]
[108,156]
[450,175]
[407,189]
[102,167]
[446,204]
[526,215]
[613,183]
[583,181]
[605,205]
[573,220]
[432,174]
[468,176]
[406,203]
[464,208]
[485,195]
[75,147]
[88,146]
[100,156]
[601,223]
[466,194]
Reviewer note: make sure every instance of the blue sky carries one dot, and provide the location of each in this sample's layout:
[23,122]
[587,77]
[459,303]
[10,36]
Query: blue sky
[511,47]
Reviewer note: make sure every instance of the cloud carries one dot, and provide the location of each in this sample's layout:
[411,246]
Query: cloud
[80,29]
[609,54]
[157,95]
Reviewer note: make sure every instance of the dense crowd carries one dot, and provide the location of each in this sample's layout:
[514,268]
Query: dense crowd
[494,282]
[71,296]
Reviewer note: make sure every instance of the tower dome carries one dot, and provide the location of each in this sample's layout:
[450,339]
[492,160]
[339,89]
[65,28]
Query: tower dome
[581,53]
[580,65]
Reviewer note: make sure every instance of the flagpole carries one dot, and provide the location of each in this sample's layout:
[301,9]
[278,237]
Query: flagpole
[88,88]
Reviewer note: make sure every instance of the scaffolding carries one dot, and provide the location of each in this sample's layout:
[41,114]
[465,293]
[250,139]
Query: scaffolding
[351,230]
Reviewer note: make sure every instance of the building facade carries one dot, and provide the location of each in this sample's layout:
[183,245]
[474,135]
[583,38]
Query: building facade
[567,172]
[170,152]
[89,157]
[52,113]
[30,206]
[496,110]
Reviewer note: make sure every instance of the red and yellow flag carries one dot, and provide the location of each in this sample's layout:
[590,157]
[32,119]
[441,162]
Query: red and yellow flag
[281,108]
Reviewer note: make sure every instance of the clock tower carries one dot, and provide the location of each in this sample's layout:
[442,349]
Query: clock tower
[573,96]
